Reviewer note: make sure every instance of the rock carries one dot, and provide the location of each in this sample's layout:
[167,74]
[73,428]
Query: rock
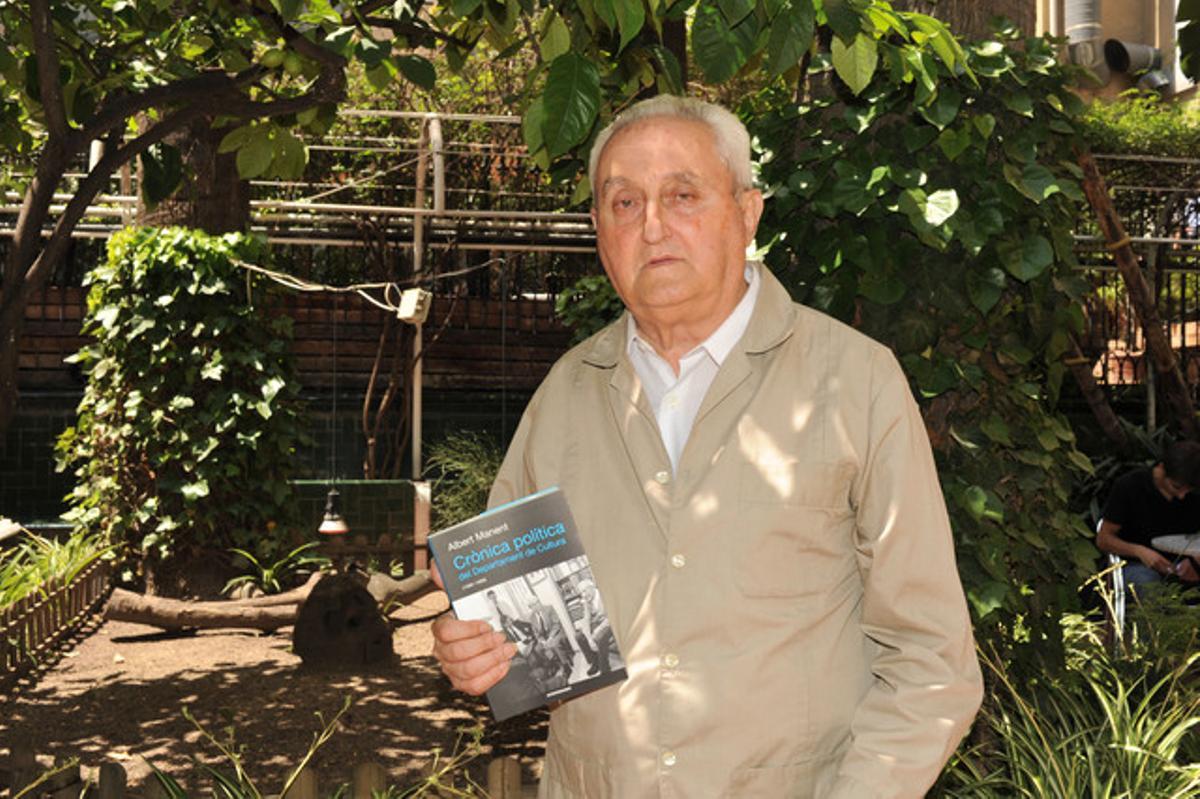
[340,625]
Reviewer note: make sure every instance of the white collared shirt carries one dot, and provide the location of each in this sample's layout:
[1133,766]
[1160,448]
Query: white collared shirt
[676,399]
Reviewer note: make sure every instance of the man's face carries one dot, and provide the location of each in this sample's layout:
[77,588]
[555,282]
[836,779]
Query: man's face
[671,227]
[1174,489]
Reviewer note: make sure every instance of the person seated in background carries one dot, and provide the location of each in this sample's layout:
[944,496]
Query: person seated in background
[1149,502]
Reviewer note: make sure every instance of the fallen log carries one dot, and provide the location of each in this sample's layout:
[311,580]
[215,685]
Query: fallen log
[175,614]
[389,591]
[292,597]
[259,613]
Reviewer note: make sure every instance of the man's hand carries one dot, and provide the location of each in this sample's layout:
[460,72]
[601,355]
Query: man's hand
[1154,560]
[473,655]
[1186,569]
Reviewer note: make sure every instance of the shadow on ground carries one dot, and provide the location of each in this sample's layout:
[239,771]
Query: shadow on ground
[120,695]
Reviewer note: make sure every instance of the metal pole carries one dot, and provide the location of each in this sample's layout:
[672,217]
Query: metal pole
[418,338]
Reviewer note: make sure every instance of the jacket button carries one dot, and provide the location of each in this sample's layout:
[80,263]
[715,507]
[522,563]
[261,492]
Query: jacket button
[663,477]
[668,759]
[678,561]
[670,660]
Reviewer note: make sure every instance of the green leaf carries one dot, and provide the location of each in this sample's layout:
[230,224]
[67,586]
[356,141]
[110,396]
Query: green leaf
[1019,103]
[272,387]
[1047,439]
[196,490]
[288,9]
[464,8]
[985,124]
[1025,258]
[256,155]
[996,429]
[985,287]
[855,64]
[556,40]
[944,108]
[791,36]
[236,139]
[631,16]
[843,17]
[290,156]
[940,206]
[571,101]
[954,143]
[974,500]
[417,70]
[987,598]
[162,170]
[719,49]
[380,75]
[531,125]
[881,286]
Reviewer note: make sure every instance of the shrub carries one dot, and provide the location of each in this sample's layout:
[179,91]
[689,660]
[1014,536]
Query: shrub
[189,422]
[462,467]
[1109,726]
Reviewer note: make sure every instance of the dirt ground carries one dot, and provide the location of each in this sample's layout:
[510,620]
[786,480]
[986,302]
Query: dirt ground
[117,692]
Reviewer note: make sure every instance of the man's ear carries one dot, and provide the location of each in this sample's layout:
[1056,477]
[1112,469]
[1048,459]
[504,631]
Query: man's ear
[751,202]
[592,213]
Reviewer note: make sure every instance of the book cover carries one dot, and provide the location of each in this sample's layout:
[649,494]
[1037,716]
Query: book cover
[521,567]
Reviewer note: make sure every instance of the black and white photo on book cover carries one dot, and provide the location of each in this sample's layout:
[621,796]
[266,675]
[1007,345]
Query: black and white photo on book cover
[522,568]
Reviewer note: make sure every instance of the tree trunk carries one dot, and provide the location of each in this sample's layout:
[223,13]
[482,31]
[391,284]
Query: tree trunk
[12,318]
[213,198]
[1081,368]
[1158,344]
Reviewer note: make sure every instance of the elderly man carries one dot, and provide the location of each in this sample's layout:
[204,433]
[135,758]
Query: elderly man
[754,487]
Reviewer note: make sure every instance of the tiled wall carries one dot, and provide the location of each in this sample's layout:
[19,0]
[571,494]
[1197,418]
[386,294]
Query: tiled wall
[30,489]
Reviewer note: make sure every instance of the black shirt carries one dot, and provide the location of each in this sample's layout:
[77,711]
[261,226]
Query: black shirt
[1144,513]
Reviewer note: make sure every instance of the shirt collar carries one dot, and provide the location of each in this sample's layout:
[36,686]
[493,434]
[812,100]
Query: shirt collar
[722,340]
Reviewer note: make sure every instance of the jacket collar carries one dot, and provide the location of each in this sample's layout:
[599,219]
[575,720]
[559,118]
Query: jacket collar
[770,325]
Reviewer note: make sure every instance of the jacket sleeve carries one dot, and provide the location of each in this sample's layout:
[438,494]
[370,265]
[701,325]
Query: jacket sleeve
[926,685]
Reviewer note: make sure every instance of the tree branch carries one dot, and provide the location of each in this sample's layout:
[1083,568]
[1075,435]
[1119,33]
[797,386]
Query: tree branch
[121,108]
[48,67]
[93,184]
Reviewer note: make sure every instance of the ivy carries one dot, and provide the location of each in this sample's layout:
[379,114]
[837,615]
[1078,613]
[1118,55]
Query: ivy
[934,211]
[189,422]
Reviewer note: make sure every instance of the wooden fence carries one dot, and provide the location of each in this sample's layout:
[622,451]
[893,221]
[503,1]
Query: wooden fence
[24,776]
[34,624]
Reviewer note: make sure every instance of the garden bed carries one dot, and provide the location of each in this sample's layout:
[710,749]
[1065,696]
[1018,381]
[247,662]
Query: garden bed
[119,693]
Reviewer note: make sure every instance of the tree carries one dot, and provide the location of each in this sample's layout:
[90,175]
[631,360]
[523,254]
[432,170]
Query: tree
[133,74]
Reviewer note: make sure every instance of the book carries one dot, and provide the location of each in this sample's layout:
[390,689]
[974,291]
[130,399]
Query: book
[521,567]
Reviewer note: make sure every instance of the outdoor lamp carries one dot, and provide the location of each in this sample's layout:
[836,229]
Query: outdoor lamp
[333,523]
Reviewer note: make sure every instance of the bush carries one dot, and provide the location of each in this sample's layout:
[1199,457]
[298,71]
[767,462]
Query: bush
[189,423]
[462,467]
[1109,726]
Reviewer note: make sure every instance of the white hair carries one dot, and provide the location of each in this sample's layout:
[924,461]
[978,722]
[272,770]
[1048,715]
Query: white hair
[732,140]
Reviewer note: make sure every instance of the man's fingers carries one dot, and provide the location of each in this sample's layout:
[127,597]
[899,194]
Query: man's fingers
[448,629]
[472,657]
[436,576]
[481,684]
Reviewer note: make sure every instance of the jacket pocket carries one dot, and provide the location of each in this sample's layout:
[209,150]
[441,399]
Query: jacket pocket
[794,530]
[792,781]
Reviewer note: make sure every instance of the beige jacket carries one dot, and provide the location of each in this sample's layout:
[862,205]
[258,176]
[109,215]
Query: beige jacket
[788,603]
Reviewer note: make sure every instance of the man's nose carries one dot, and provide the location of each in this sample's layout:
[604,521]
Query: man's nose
[654,225]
